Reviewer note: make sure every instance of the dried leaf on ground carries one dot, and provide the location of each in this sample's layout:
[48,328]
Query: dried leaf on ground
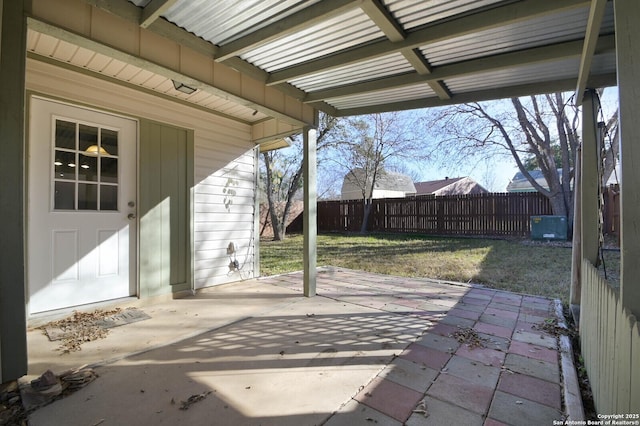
[193,399]
[80,328]
[421,408]
[469,337]
[550,325]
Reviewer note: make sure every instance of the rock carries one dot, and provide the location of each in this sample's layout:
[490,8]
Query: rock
[76,379]
[44,382]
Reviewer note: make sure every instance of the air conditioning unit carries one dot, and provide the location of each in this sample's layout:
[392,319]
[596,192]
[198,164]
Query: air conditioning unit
[549,228]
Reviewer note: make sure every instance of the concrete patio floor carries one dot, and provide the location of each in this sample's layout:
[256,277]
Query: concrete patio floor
[369,349]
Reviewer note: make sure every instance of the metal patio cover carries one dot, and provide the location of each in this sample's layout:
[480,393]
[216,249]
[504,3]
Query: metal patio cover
[350,57]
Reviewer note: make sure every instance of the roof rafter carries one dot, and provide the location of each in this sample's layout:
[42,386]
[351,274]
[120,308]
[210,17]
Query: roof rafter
[383,19]
[302,19]
[153,10]
[511,13]
[596,13]
[473,66]
[600,80]
[379,14]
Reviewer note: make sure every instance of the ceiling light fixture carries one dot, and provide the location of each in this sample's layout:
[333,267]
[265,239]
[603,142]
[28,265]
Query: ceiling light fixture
[181,87]
[95,150]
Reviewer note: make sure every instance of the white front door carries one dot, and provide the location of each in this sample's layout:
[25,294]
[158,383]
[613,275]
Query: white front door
[82,206]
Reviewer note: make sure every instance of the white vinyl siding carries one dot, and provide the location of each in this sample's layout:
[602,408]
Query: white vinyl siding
[224,213]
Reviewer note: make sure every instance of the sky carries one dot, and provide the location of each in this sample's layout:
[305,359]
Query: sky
[493,176]
[496,174]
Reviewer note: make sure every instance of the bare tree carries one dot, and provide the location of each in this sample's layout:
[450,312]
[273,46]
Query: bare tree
[540,130]
[282,173]
[375,144]
[611,147]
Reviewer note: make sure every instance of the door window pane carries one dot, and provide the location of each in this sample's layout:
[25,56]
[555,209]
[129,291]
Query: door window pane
[88,138]
[109,141]
[87,196]
[65,196]
[88,169]
[65,134]
[64,165]
[109,169]
[108,197]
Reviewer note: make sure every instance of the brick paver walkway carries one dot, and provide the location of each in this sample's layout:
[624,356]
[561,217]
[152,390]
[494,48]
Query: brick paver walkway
[481,360]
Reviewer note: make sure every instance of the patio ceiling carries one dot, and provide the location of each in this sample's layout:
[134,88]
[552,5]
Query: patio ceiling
[350,57]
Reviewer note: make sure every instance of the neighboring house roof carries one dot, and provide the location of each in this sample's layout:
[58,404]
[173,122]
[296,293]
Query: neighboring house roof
[450,186]
[520,184]
[393,181]
[386,182]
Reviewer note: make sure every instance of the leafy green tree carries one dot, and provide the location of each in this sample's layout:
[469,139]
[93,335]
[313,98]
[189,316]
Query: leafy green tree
[531,163]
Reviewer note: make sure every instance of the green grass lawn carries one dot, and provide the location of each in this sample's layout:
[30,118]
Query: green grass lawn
[514,265]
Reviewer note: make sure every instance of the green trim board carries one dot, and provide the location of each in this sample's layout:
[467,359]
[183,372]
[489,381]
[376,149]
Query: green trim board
[165,208]
[13,341]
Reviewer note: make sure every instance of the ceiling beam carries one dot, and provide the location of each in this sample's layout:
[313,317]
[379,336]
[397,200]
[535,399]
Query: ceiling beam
[492,18]
[423,68]
[300,20]
[380,15]
[153,10]
[383,19]
[596,13]
[473,66]
[601,80]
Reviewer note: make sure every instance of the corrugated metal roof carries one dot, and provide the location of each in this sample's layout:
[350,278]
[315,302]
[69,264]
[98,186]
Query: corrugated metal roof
[514,76]
[333,35]
[393,64]
[362,56]
[223,21]
[560,70]
[412,13]
[566,26]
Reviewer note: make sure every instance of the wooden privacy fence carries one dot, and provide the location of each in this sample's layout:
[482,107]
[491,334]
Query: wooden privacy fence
[474,214]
